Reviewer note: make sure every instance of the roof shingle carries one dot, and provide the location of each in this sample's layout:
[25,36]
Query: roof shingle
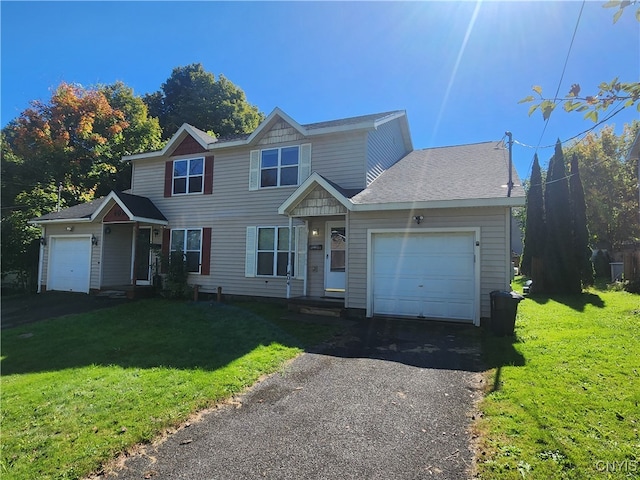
[464,172]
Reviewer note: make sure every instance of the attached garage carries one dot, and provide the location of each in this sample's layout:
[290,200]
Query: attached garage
[431,274]
[69,264]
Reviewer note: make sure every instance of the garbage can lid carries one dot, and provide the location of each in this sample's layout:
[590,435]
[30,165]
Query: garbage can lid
[507,294]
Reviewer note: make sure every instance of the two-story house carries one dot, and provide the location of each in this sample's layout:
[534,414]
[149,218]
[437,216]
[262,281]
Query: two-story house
[343,209]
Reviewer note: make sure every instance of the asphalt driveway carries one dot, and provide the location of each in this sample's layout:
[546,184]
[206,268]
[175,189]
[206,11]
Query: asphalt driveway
[389,400]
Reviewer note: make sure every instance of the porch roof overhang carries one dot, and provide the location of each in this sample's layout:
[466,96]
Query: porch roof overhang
[314,180]
[136,208]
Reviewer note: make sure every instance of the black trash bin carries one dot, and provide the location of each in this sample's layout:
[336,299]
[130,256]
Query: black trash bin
[504,306]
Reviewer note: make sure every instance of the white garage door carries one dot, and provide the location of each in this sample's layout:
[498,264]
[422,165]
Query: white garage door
[425,275]
[70,264]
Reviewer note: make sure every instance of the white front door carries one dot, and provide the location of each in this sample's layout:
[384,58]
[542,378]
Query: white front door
[335,259]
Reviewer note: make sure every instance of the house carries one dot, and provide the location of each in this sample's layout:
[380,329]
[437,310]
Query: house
[344,209]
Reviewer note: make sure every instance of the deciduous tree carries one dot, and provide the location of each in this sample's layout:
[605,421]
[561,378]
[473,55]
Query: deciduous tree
[193,95]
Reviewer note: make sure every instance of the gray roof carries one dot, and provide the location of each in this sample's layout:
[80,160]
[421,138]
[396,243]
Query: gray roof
[464,172]
[140,206]
[77,212]
[137,205]
[204,136]
[331,123]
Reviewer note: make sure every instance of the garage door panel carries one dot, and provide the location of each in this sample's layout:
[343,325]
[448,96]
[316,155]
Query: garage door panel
[424,275]
[69,264]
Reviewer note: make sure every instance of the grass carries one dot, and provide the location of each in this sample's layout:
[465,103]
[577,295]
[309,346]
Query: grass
[78,390]
[563,400]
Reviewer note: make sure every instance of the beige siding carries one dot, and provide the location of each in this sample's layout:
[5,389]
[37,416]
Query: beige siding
[116,252]
[385,146]
[233,207]
[494,274]
[341,159]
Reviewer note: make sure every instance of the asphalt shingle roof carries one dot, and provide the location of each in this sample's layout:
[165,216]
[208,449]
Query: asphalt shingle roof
[77,212]
[475,171]
[328,124]
[138,206]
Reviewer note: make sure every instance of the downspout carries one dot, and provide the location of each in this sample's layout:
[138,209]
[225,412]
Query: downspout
[289,259]
[41,258]
[306,245]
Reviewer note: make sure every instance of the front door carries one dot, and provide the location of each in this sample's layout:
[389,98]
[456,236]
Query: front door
[143,256]
[335,260]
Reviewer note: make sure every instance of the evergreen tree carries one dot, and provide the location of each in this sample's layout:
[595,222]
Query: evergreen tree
[534,234]
[580,230]
[561,271]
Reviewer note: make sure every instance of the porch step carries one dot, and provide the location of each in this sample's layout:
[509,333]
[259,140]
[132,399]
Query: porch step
[326,307]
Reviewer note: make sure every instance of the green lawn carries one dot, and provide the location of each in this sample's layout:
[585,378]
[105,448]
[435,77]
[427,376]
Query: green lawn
[563,398]
[78,390]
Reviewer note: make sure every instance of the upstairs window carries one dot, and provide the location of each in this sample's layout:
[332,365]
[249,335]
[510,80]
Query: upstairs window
[279,166]
[188,176]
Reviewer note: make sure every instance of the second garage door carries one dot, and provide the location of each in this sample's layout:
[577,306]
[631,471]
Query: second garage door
[69,264]
[424,275]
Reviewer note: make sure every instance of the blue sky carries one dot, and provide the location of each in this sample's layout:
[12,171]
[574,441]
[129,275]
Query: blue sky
[457,68]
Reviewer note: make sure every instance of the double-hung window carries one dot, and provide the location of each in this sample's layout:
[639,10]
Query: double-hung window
[188,242]
[279,166]
[188,176]
[273,251]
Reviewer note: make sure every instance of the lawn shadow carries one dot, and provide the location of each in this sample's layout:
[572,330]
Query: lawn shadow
[500,352]
[144,334]
[577,301]
[419,343]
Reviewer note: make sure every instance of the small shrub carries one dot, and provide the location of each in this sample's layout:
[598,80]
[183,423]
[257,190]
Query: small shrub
[175,284]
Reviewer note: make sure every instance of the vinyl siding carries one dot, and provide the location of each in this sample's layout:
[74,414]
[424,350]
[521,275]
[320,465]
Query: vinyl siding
[116,247]
[493,245]
[341,159]
[385,146]
[233,207]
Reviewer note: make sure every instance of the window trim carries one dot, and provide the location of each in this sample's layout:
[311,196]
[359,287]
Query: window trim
[187,176]
[279,167]
[184,253]
[276,251]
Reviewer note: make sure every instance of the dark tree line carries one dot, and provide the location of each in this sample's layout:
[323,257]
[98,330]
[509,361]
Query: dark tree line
[556,252]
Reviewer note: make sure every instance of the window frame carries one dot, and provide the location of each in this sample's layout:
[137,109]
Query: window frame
[188,176]
[279,167]
[275,251]
[185,251]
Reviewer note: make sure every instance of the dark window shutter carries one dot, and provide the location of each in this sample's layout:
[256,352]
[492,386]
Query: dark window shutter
[168,178]
[208,175]
[205,268]
[166,241]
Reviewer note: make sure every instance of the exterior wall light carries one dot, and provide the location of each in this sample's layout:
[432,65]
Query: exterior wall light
[70,228]
[43,241]
[418,219]
[94,240]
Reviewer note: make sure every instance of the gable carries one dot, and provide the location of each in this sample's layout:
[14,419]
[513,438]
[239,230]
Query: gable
[318,202]
[115,215]
[188,146]
[280,132]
